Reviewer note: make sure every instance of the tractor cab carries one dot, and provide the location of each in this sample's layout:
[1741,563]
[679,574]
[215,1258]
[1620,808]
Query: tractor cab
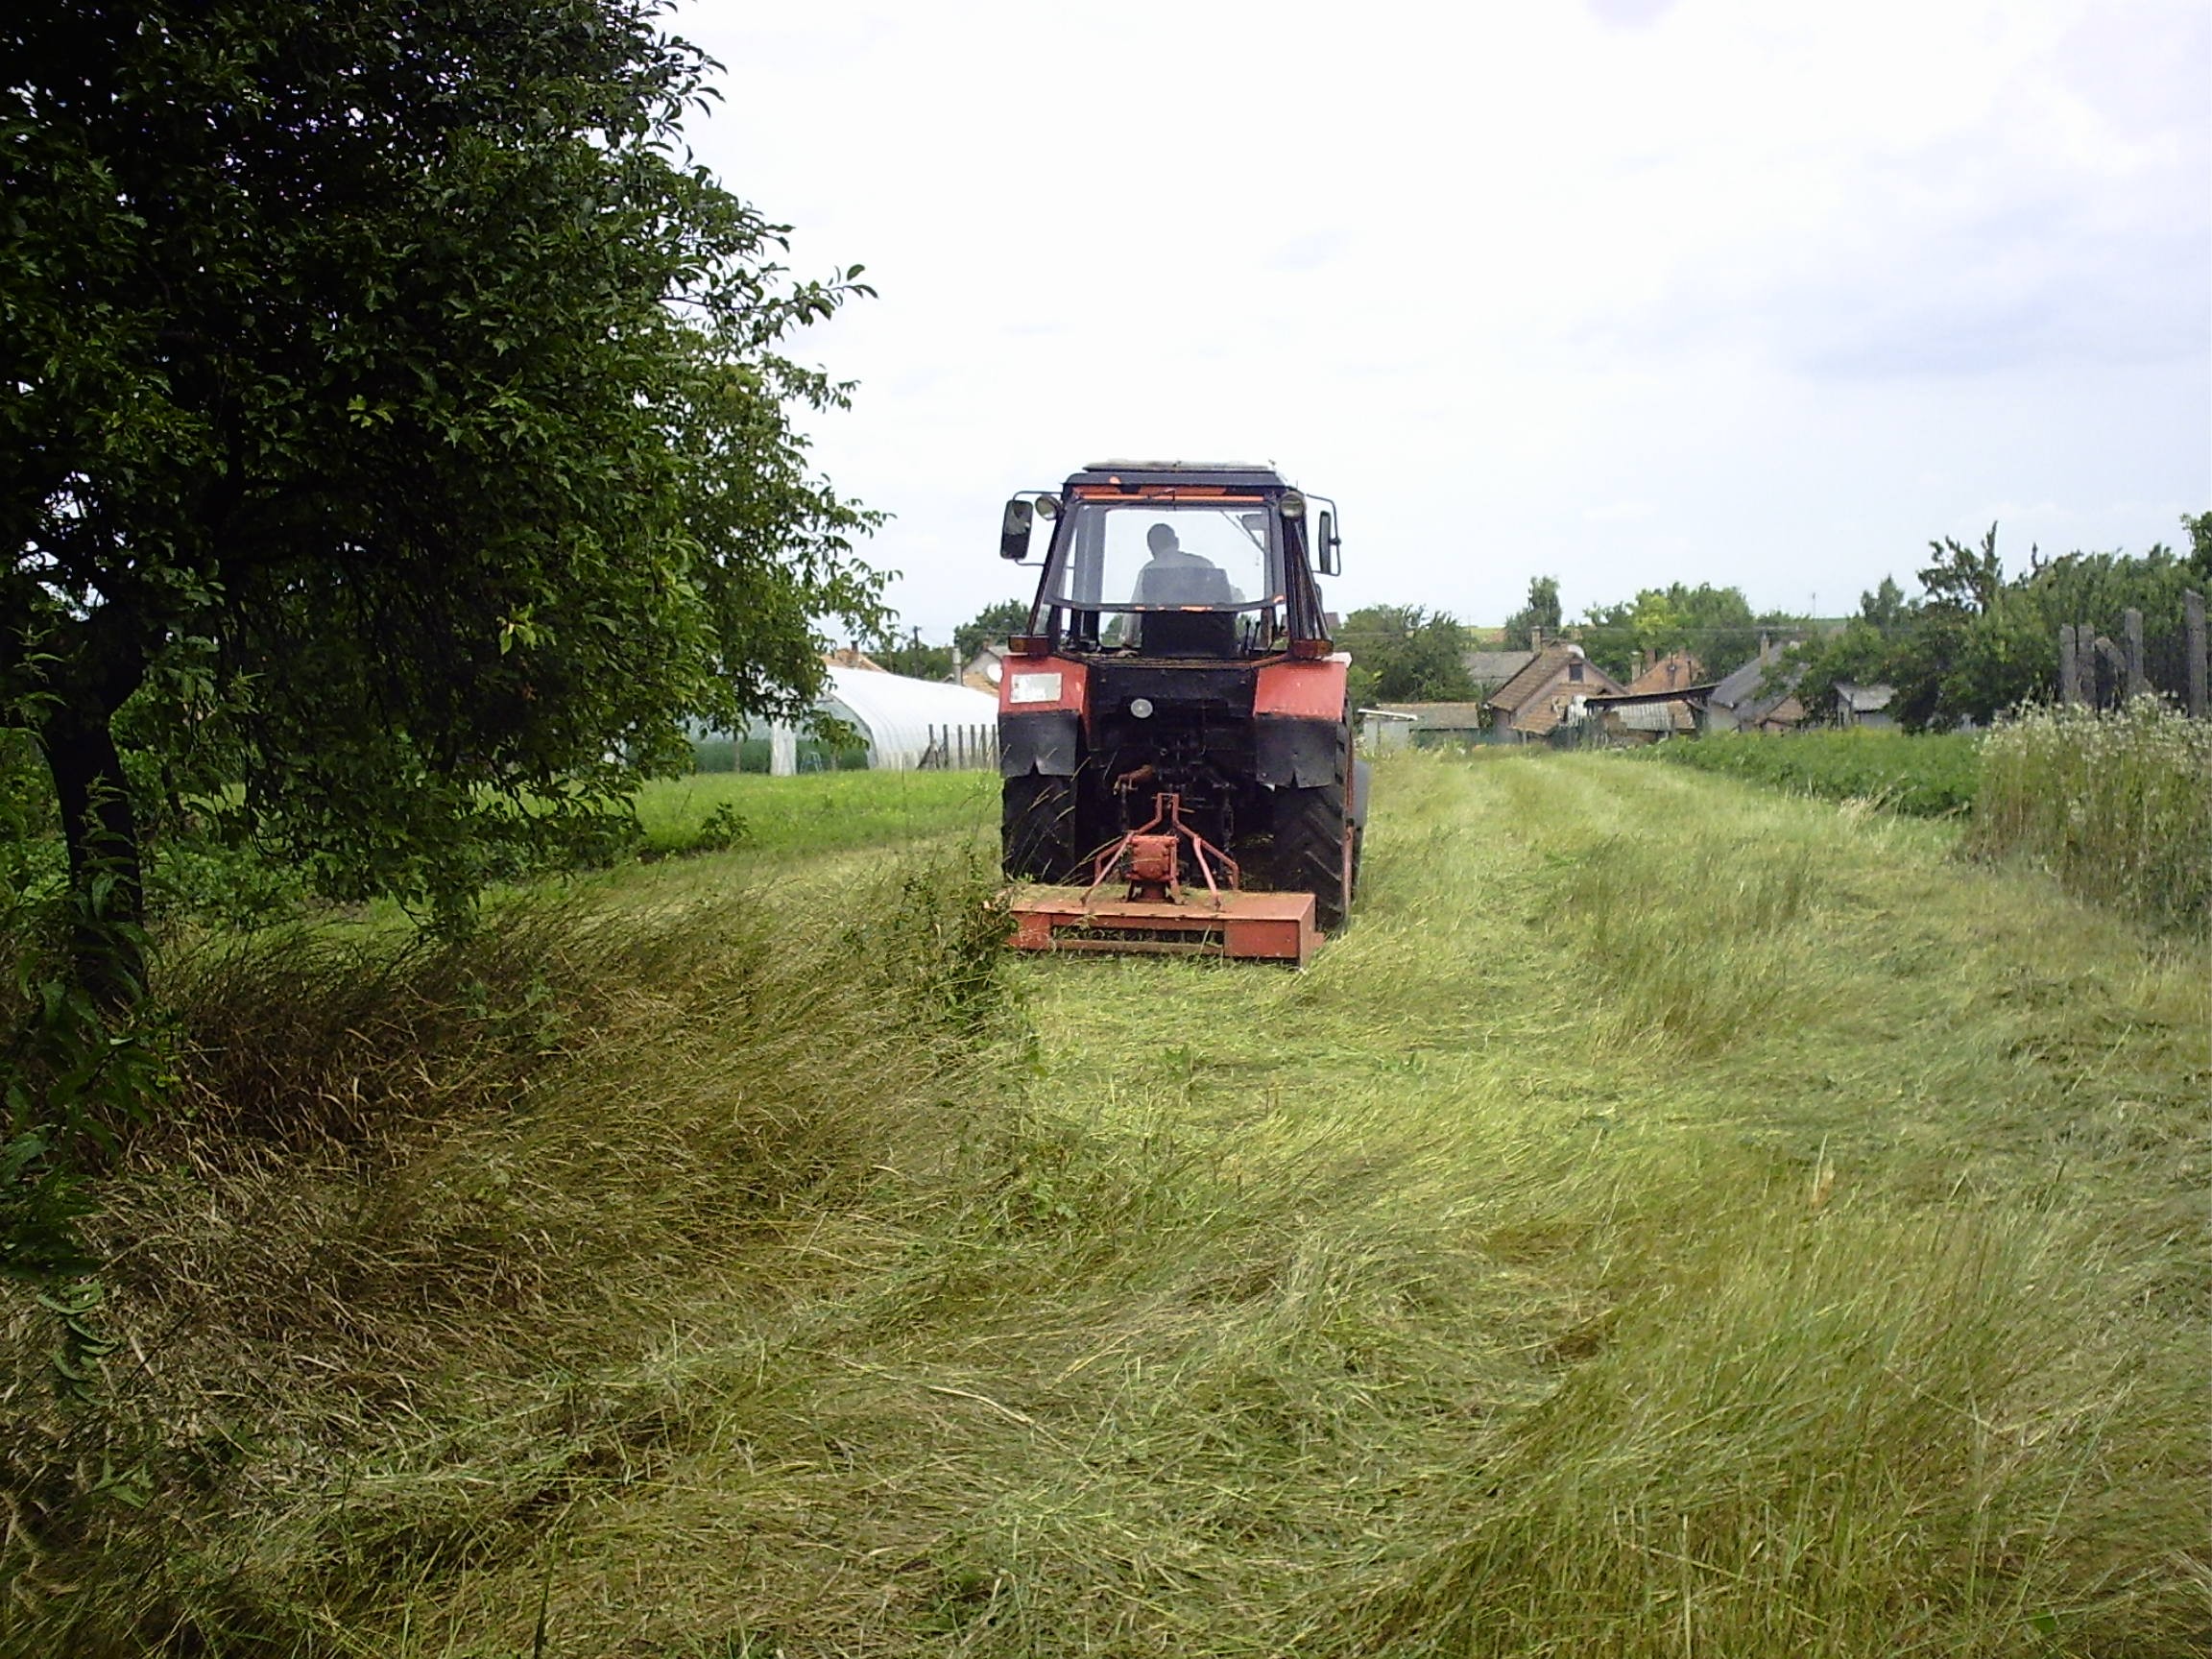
[1175,560]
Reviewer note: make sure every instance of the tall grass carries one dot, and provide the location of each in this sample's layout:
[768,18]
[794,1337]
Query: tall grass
[2117,807]
[1801,1449]
[393,1287]
[1672,1218]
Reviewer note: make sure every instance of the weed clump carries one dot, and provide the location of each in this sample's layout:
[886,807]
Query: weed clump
[2117,807]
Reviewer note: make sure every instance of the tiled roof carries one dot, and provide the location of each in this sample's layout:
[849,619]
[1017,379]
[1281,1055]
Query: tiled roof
[1531,679]
[1548,665]
[1739,692]
[1687,671]
[1487,668]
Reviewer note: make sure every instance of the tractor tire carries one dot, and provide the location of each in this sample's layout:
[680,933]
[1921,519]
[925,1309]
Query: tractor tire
[1314,844]
[1037,828]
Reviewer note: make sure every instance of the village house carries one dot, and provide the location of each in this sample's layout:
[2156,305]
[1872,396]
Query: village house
[1661,716]
[1544,693]
[1866,706]
[983,671]
[1746,701]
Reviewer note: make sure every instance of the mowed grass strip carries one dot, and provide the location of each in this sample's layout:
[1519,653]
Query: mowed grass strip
[1675,1217]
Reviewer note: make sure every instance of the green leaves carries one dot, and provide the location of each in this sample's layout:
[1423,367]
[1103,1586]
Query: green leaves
[1715,625]
[1974,644]
[1541,612]
[403,436]
[1406,654]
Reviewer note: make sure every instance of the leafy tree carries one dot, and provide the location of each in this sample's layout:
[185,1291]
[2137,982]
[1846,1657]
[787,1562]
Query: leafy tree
[994,622]
[1974,644]
[1884,609]
[1406,654]
[396,446]
[1716,625]
[910,657]
[1542,611]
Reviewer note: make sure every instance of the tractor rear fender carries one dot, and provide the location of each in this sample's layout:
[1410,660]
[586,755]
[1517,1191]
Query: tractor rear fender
[1299,708]
[1048,743]
[1041,707]
[1311,689]
[1299,754]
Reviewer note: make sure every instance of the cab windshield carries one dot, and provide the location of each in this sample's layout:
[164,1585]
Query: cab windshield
[1160,555]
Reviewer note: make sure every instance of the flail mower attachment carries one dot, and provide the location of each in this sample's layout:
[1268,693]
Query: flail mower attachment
[1155,912]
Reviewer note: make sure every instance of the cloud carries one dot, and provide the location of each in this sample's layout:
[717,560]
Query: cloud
[1631,13]
[1308,252]
[1777,288]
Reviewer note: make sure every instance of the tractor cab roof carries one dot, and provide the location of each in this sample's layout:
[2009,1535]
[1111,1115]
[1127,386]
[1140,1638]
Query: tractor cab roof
[1137,474]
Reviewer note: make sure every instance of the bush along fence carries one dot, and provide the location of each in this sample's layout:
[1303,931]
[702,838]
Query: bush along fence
[2098,672]
[961,749]
[2117,805]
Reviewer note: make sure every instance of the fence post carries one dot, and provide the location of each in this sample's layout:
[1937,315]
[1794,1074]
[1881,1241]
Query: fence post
[2131,628]
[2193,613]
[2113,664]
[2068,687]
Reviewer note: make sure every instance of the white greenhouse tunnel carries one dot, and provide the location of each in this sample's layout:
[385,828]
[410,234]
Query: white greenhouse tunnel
[894,716]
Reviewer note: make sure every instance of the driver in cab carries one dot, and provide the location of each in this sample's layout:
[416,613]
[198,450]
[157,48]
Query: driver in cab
[1174,577]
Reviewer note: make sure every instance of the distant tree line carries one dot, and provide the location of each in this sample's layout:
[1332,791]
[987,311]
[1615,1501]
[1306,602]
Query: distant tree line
[1974,644]
[1971,644]
[905,653]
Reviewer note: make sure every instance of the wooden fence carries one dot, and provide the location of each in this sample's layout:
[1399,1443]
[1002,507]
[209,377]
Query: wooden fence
[961,749]
[2103,673]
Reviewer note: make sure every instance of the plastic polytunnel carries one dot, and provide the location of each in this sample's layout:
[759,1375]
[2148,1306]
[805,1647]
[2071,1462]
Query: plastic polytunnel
[901,719]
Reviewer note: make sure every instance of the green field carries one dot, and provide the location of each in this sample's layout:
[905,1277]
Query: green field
[819,811]
[1677,1217]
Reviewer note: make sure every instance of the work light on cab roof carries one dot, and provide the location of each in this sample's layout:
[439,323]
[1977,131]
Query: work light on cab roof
[1175,735]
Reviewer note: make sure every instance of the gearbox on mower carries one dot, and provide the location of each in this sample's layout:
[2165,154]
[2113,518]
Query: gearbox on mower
[1174,729]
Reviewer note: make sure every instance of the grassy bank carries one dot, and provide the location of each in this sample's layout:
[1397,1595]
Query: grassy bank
[1677,1217]
[1927,776]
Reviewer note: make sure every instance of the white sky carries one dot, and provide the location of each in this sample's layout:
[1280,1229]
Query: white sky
[1625,292]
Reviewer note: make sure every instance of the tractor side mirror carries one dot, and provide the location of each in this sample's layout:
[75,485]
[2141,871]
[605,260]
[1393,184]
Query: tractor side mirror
[1326,545]
[1014,534]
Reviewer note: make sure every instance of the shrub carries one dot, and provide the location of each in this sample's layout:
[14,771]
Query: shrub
[2117,807]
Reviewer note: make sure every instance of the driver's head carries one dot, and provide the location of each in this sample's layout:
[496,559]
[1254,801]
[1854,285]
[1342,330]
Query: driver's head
[1161,538]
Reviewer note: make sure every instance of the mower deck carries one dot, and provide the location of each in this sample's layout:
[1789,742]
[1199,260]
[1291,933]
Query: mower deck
[1275,926]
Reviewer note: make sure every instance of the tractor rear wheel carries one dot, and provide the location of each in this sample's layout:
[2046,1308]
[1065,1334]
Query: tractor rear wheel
[1313,850]
[1037,828]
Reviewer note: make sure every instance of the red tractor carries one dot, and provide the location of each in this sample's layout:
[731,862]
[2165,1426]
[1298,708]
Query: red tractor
[1174,734]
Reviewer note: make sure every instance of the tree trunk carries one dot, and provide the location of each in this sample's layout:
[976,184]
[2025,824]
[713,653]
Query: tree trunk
[106,888]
